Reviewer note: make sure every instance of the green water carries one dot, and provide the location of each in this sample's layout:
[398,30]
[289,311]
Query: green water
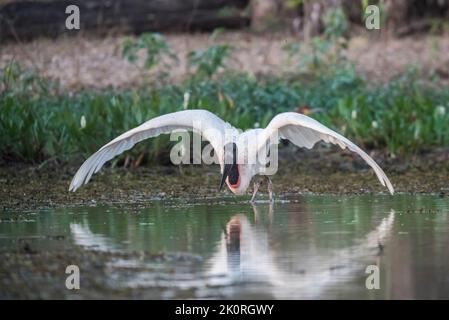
[302,247]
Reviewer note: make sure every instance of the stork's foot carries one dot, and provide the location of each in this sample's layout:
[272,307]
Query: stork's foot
[270,190]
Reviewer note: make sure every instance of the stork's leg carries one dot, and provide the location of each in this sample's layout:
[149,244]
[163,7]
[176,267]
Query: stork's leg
[270,190]
[256,188]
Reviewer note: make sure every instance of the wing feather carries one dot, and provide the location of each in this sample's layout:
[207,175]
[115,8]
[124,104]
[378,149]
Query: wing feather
[204,122]
[305,132]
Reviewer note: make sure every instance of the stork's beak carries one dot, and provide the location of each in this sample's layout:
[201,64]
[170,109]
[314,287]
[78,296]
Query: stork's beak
[226,171]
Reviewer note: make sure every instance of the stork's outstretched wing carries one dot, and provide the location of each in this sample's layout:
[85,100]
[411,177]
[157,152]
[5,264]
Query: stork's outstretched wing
[203,122]
[305,132]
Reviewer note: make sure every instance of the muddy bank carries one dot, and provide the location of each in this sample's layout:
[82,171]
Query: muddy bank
[303,172]
[47,270]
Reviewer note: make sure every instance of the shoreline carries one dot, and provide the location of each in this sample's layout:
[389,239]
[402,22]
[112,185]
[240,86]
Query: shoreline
[30,187]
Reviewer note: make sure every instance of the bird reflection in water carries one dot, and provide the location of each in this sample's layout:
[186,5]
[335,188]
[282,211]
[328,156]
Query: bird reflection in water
[254,257]
[233,229]
[246,255]
[243,254]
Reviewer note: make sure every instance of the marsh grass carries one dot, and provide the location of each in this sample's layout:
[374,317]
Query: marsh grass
[40,122]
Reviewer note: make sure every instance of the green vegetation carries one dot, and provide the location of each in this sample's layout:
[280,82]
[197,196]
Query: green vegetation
[37,122]
[208,61]
[41,122]
[154,45]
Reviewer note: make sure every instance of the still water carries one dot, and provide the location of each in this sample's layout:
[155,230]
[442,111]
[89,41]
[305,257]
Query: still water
[299,248]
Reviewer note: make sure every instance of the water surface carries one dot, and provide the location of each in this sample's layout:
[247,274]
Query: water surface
[301,247]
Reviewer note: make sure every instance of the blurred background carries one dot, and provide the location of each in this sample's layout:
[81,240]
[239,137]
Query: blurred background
[64,93]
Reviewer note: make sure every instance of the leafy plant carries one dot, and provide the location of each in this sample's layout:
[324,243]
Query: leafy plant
[335,23]
[153,43]
[325,50]
[207,62]
[38,123]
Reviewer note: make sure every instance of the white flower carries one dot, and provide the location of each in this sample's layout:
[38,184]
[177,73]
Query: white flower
[185,104]
[83,122]
[374,124]
[441,110]
[354,114]
[256,125]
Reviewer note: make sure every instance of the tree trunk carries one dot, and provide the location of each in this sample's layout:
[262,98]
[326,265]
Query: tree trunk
[396,11]
[29,19]
[313,13]
[264,13]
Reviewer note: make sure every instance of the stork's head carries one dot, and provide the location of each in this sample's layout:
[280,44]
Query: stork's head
[235,174]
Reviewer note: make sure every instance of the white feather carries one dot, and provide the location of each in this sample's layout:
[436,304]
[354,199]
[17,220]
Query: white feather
[305,132]
[201,121]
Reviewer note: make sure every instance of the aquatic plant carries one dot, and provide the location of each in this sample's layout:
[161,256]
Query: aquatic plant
[41,122]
